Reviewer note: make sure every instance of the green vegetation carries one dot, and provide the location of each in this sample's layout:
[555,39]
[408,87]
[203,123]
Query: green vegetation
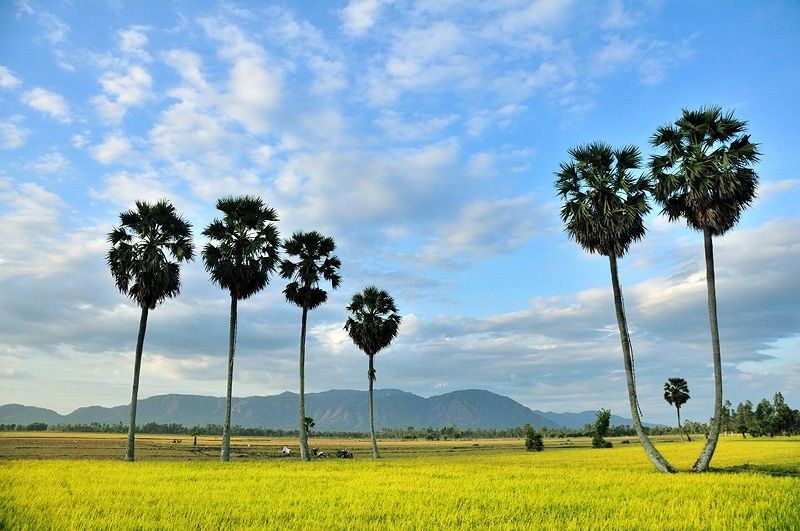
[372,326]
[705,178]
[533,439]
[315,262]
[601,429]
[139,259]
[755,485]
[676,393]
[604,208]
[240,257]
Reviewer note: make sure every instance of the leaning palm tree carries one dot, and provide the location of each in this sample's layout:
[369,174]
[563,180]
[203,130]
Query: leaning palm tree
[315,262]
[676,393]
[372,326]
[145,255]
[603,212]
[706,178]
[240,257]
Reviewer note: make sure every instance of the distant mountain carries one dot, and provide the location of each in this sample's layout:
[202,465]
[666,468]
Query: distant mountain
[578,420]
[336,410]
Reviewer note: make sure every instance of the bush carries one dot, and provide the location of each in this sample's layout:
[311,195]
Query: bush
[533,439]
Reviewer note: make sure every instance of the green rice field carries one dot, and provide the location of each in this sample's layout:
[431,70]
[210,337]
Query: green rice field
[755,484]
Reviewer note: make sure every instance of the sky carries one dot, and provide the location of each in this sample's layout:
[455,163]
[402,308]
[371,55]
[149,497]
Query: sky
[423,136]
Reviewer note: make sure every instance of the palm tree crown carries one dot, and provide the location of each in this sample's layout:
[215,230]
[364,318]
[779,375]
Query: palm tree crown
[246,248]
[676,392]
[146,250]
[374,322]
[604,204]
[315,262]
[705,176]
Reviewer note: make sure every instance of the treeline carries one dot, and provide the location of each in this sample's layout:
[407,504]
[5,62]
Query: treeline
[766,419]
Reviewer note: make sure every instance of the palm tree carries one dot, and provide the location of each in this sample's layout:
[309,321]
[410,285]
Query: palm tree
[373,325]
[603,212]
[145,255]
[676,393]
[705,177]
[315,262]
[240,257]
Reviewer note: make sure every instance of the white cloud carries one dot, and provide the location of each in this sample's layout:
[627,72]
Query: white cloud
[47,102]
[122,91]
[254,91]
[124,188]
[113,148]
[360,15]
[12,134]
[7,79]
[132,42]
[53,162]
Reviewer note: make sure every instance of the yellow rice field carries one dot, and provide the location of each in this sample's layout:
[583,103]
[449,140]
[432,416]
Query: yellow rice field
[755,485]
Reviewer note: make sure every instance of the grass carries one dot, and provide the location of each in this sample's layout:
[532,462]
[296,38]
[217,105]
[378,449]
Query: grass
[755,484]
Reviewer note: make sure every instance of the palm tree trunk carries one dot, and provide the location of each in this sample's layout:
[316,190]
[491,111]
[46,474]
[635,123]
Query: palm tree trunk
[137,365]
[371,374]
[304,454]
[701,465]
[225,454]
[657,459]
[680,427]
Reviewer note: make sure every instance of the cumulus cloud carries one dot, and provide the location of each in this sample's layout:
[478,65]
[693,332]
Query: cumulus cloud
[122,91]
[360,15]
[112,149]
[12,133]
[47,102]
[7,79]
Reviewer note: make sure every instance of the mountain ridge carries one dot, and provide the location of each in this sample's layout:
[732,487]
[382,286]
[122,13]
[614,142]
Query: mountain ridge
[341,410]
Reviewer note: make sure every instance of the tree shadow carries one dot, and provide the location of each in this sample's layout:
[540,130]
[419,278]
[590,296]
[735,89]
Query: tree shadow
[777,471]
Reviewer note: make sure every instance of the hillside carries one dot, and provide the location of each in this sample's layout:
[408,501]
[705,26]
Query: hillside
[335,410]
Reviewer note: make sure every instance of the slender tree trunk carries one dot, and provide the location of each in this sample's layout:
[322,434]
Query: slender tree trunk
[371,374]
[657,459]
[701,465]
[680,427]
[304,454]
[137,365]
[225,454]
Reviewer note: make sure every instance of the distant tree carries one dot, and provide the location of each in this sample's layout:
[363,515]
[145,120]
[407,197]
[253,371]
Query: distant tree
[604,212]
[533,439]
[314,262]
[727,417]
[676,393]
[765,418]
[144,258]
[705,177]
[601,429]
[372,325]
[241,256]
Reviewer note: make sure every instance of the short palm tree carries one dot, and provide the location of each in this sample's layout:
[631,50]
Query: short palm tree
[706,178]
[145,255]
[676,393]
[240,257]
[603,211]
[314,262]
[372,326]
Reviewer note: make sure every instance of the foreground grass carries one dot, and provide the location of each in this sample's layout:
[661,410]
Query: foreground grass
[755,485]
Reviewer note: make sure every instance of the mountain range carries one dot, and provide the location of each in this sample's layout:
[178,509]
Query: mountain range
[335,410]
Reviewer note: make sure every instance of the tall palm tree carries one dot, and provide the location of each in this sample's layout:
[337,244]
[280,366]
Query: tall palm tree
[676,393]
[315,262]
[603,212]
[240,257]
[372,326]
[706,178]
[145,255]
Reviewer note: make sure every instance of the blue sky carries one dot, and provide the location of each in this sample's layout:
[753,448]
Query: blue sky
[421,135]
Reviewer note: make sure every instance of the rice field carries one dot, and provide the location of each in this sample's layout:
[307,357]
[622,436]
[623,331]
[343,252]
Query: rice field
[470,485]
